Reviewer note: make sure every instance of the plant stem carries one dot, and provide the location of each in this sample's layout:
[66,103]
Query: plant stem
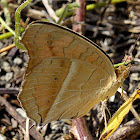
[17,27]
[79,18]
[79,129]
[9,34]
[119,64]
[66,10]
[89,7]
[6,26]
[71,6]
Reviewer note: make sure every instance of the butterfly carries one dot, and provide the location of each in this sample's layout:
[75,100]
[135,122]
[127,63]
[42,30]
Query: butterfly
[67,74]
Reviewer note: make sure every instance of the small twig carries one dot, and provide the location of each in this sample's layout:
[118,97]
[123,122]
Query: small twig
[47,16]
[8,91]
[50,10]
[7,48]
[124,44]
[19,118]
[35,14]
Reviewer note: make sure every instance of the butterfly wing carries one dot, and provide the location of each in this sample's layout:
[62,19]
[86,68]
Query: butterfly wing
[66,73]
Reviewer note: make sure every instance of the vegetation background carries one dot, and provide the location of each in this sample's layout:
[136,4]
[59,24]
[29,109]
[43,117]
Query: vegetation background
[113,25]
